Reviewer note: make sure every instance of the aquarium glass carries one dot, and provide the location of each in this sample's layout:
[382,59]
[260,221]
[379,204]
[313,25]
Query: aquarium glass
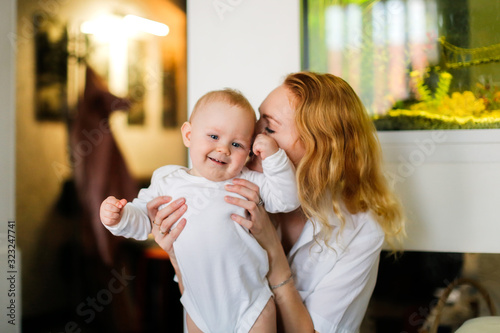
[416,64]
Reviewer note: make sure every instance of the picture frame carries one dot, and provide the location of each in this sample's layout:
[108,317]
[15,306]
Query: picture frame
[169,111]
[51,68]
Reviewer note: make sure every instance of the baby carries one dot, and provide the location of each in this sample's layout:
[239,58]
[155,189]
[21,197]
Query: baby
[223,268]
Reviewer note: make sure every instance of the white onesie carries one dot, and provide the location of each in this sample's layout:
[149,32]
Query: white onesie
[223,267]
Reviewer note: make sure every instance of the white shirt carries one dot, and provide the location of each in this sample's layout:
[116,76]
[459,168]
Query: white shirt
[336,284]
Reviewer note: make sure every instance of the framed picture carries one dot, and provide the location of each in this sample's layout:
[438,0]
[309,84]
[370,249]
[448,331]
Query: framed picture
[136,81]
[169,113]
[51,68]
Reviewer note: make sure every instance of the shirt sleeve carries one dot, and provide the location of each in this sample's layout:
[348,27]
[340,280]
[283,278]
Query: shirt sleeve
[277,184]
[340,300]
[135,222]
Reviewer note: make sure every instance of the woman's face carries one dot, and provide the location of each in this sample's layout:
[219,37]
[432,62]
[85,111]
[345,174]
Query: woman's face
[277,119]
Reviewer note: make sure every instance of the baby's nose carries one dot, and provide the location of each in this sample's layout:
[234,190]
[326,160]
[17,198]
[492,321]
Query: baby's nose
[223,148]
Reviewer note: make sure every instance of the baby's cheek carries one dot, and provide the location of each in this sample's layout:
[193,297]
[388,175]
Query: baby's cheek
[241,159]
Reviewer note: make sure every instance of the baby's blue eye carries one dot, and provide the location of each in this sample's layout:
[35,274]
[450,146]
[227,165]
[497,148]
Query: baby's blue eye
[236,144]
[215,137]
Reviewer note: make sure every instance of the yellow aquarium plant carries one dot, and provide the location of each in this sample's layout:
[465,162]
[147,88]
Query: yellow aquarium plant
[439,110]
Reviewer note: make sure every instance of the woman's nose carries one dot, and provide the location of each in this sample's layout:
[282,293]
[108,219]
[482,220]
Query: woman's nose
[260,127]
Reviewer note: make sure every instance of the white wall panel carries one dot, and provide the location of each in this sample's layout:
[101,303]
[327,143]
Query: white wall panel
[249,45]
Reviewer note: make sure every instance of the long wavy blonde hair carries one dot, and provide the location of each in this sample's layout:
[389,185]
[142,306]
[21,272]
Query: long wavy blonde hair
[342,165]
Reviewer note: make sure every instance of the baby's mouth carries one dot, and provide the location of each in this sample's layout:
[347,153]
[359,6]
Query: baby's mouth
[216,160]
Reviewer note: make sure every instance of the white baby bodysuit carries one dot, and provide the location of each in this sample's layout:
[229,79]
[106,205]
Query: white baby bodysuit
[223,267]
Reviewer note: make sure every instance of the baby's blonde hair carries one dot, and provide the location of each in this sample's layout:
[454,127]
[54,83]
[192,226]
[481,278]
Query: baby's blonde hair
[231,96]
[342,161]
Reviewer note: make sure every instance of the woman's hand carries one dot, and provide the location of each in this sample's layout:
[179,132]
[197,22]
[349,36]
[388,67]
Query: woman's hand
[293,315]
[164,219]
[258,221]
[261,227]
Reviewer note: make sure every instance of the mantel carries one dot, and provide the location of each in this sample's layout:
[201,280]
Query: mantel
[448,146]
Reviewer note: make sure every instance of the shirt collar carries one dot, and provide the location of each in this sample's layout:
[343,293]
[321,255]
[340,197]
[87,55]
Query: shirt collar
[312,230]
[306,236]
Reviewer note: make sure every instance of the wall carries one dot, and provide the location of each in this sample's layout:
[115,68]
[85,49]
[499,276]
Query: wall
[7,162]
[450,201]
[43,145]
[448,182]
[246,45]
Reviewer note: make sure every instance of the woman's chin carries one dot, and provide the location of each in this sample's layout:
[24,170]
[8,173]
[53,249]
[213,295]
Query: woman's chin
[255,163]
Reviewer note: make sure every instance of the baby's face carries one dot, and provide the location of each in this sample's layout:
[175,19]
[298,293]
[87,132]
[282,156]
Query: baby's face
[219,140]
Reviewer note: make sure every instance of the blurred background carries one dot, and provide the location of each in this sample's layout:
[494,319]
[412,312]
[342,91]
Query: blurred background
[101,95]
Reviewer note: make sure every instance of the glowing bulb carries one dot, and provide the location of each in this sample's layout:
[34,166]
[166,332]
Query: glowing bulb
[145,25]
[111,26]
[105,28]
[88,27]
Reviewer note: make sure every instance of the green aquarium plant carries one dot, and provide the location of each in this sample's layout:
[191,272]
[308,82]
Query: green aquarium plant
[440,110]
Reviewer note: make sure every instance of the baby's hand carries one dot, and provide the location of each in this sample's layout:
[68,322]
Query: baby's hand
[264,146]
[112,210]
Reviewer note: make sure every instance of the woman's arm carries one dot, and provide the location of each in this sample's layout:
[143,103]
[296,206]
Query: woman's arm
[339,300]
[163,220]
[293,316]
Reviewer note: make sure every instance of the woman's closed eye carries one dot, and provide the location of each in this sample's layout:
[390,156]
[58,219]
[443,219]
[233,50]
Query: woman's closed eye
[268,130]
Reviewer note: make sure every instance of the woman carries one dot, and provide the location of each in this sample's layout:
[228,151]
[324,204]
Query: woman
[323,257]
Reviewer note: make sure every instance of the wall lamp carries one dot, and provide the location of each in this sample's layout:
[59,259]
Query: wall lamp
[111,26]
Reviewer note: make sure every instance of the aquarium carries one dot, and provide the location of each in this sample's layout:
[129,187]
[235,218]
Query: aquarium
[416,64]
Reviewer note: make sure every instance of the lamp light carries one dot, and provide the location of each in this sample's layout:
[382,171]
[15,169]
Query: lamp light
[110,26]
[145,25]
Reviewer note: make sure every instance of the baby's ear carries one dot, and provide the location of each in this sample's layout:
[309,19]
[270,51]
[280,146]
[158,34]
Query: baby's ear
[186,133]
